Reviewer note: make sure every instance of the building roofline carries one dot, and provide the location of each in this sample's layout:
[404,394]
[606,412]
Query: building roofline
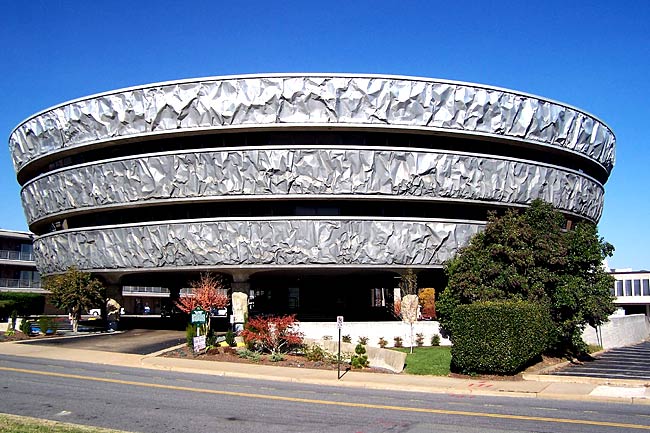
[16,234]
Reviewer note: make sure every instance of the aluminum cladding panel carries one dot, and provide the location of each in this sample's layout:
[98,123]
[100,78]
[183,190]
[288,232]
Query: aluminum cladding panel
[254,243]
[312,101]
[310,172]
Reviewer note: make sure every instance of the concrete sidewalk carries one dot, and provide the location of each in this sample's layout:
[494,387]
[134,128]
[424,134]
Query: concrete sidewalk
[534,386]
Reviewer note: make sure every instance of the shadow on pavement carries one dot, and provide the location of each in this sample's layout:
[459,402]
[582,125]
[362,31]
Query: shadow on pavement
[133,341]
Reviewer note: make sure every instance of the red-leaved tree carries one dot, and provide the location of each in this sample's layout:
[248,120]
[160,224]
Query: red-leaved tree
[208,292]
[274,334]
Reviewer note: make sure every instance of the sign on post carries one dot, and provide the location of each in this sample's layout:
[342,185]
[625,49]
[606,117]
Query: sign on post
[199,316]
[199,343]
[339,325]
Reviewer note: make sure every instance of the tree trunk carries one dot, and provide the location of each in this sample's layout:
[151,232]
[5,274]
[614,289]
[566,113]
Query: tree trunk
[75,315]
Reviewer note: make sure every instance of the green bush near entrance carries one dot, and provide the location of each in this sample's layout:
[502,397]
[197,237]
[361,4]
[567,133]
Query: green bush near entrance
[498,337]
[25,304]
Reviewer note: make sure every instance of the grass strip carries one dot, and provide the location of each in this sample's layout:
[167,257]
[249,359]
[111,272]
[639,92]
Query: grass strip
[24,424]
[433,361]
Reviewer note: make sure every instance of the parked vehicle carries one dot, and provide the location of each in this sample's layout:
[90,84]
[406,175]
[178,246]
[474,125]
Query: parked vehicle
[167,310]
[98,312]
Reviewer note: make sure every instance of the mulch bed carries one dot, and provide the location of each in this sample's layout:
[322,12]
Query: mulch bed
[229,354]
[20,336]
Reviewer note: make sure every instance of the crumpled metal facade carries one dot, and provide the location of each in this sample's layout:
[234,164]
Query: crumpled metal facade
[255,243]
[310,172]
[312,100]
[494,122]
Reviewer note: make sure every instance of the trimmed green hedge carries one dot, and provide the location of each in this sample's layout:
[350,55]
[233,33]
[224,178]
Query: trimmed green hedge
[24,303]
[498,337]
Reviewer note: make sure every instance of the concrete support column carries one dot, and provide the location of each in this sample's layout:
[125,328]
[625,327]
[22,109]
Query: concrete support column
[240,289]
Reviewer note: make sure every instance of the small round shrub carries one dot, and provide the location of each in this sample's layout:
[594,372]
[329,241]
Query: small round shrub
[314,353]
[26,326]
[230,338]
[190,333]
[359,359]
[276,357]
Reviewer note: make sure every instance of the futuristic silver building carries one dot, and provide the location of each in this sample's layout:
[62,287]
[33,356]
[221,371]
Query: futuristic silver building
[311,191]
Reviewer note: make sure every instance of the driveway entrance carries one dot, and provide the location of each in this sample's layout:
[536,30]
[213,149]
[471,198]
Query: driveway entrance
[135,341]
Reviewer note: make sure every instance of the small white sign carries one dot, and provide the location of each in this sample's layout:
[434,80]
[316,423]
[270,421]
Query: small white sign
[199,343]
[339,322]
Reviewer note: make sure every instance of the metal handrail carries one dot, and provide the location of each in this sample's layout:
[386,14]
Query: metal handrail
[16,255]
[13,283]
[144,289]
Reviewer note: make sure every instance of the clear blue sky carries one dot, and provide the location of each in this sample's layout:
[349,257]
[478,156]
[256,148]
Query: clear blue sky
[591,54]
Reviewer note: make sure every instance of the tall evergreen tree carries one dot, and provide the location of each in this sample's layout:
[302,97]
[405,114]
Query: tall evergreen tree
[531,256]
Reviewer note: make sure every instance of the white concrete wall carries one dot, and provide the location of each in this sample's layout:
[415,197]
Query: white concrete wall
[374,330]
[5,325]
[619,331]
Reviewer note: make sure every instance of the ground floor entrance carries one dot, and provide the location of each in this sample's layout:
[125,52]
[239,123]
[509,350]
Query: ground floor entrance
[321,297]
[313,295]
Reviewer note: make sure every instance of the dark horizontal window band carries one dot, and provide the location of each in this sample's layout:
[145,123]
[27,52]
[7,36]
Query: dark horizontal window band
[273,208]
[127,148]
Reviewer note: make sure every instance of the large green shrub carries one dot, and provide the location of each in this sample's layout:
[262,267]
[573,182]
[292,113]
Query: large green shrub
[531,255]
[6,308]
[498,337]
[25,304]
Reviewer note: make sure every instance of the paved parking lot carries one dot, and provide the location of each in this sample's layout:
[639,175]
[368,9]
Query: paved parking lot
[136,341]
[632,362]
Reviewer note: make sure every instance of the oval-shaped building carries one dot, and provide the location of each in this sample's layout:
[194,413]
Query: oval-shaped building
[313,192]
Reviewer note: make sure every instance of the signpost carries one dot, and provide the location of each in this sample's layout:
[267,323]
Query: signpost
[199,343]
[198,317]
[339,325]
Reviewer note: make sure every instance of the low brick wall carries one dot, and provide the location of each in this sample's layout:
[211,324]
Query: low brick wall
[619,331]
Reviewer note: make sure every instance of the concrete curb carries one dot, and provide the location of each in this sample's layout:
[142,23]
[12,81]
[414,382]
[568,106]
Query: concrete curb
[586,380]
[452,390]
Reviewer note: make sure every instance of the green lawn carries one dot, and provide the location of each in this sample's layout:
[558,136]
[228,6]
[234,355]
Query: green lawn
[20,424]
[432,361]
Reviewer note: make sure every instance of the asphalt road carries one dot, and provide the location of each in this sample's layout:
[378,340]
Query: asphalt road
[145,401]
